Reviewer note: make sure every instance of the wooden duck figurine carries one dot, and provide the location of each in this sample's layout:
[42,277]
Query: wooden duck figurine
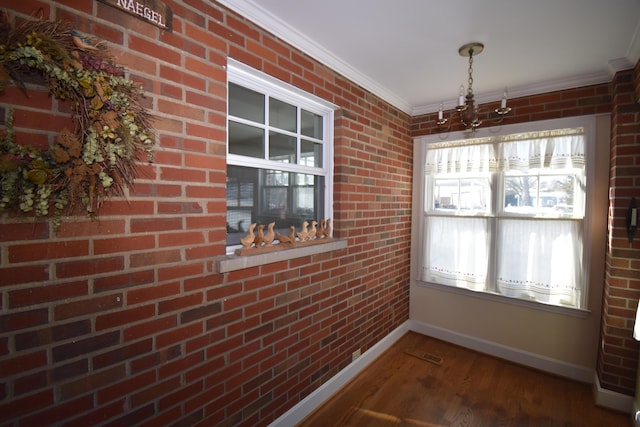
[291,238]
[250,237]
[320,231]
[304,233]
[312,232]
[327,228]
[270,236]
[260,237]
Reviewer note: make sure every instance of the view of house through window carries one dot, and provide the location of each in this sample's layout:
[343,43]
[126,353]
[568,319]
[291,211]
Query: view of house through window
[279,155]
[505,215]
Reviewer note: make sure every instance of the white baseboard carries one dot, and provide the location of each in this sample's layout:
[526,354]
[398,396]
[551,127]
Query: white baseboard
[546,364]
[613,400]
[603,397]
[313,401]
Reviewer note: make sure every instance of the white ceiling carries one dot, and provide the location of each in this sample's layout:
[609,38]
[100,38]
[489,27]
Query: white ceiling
[406,51]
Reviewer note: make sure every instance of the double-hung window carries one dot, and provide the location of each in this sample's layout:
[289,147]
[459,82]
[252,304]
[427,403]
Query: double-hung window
[279,154]
[506,215]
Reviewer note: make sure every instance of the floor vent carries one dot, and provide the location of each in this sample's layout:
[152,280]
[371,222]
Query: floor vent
[425,356]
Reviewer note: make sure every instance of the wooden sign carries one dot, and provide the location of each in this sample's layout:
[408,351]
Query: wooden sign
[152,11]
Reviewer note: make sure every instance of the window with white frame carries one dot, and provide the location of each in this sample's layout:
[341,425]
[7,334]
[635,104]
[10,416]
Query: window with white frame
[505,215]
[279,154]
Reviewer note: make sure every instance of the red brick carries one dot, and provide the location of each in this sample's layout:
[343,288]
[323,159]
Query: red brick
[130,207]
[23,319]
[123,388]
[85,346]
[181,271]
[22,363]
[98,415]
[179,208]
[181,239]
[29,383]
[29,404]
[150,328]
[150,258]
[46,251]
[26,274]
[155,391]
[123,244]
[182,174]
[146,225]
[60,412]
[123,353]
[84,307]
[47,293]
[180,303]
[159,53]
[23,231]
[91,382]
[90,228]
[177,335]
[102,284]
[124,317]
[179,109]
[89,267]
[151,293]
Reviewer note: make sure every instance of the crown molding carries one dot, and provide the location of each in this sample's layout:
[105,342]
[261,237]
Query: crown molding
[633,53]
[265,19]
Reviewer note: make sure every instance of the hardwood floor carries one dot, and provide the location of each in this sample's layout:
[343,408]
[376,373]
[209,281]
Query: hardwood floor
[409,386]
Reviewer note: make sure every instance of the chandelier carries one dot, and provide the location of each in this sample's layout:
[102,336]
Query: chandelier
[467,109]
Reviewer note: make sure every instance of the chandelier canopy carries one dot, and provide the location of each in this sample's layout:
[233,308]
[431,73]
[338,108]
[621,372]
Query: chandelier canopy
[467,109]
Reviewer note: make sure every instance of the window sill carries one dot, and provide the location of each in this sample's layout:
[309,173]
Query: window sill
[534,305]
[229,263]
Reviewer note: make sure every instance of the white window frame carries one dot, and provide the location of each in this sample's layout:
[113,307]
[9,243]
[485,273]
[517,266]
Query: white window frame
[420,188]
[250,78]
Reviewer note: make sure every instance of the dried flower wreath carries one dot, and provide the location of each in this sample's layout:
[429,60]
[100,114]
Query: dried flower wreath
[98,158]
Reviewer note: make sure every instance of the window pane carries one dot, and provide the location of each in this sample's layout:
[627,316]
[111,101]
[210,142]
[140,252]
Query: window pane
[545,195]
[246,103]
[275,201]
[468,194]
[246,140]
[311,124]
[475,194]
[311,154]
[556,195]
[520,193]
[264,196]
[282,148]
[282,115]
[241,191]
[446,194]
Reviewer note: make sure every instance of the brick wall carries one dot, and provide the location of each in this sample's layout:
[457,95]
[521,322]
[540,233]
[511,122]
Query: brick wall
[123,321]
[618,358]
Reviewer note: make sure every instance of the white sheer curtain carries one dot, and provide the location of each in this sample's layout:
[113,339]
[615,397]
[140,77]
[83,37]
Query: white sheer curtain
[457,252]
[540,260]
[536,257]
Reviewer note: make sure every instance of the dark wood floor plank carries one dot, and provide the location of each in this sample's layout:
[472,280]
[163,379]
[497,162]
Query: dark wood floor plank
[464,388]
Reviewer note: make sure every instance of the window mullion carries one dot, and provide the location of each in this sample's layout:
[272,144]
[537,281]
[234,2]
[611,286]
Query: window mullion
[497,192]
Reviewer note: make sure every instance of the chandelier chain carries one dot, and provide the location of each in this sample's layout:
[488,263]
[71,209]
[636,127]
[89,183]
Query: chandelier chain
[470,89]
